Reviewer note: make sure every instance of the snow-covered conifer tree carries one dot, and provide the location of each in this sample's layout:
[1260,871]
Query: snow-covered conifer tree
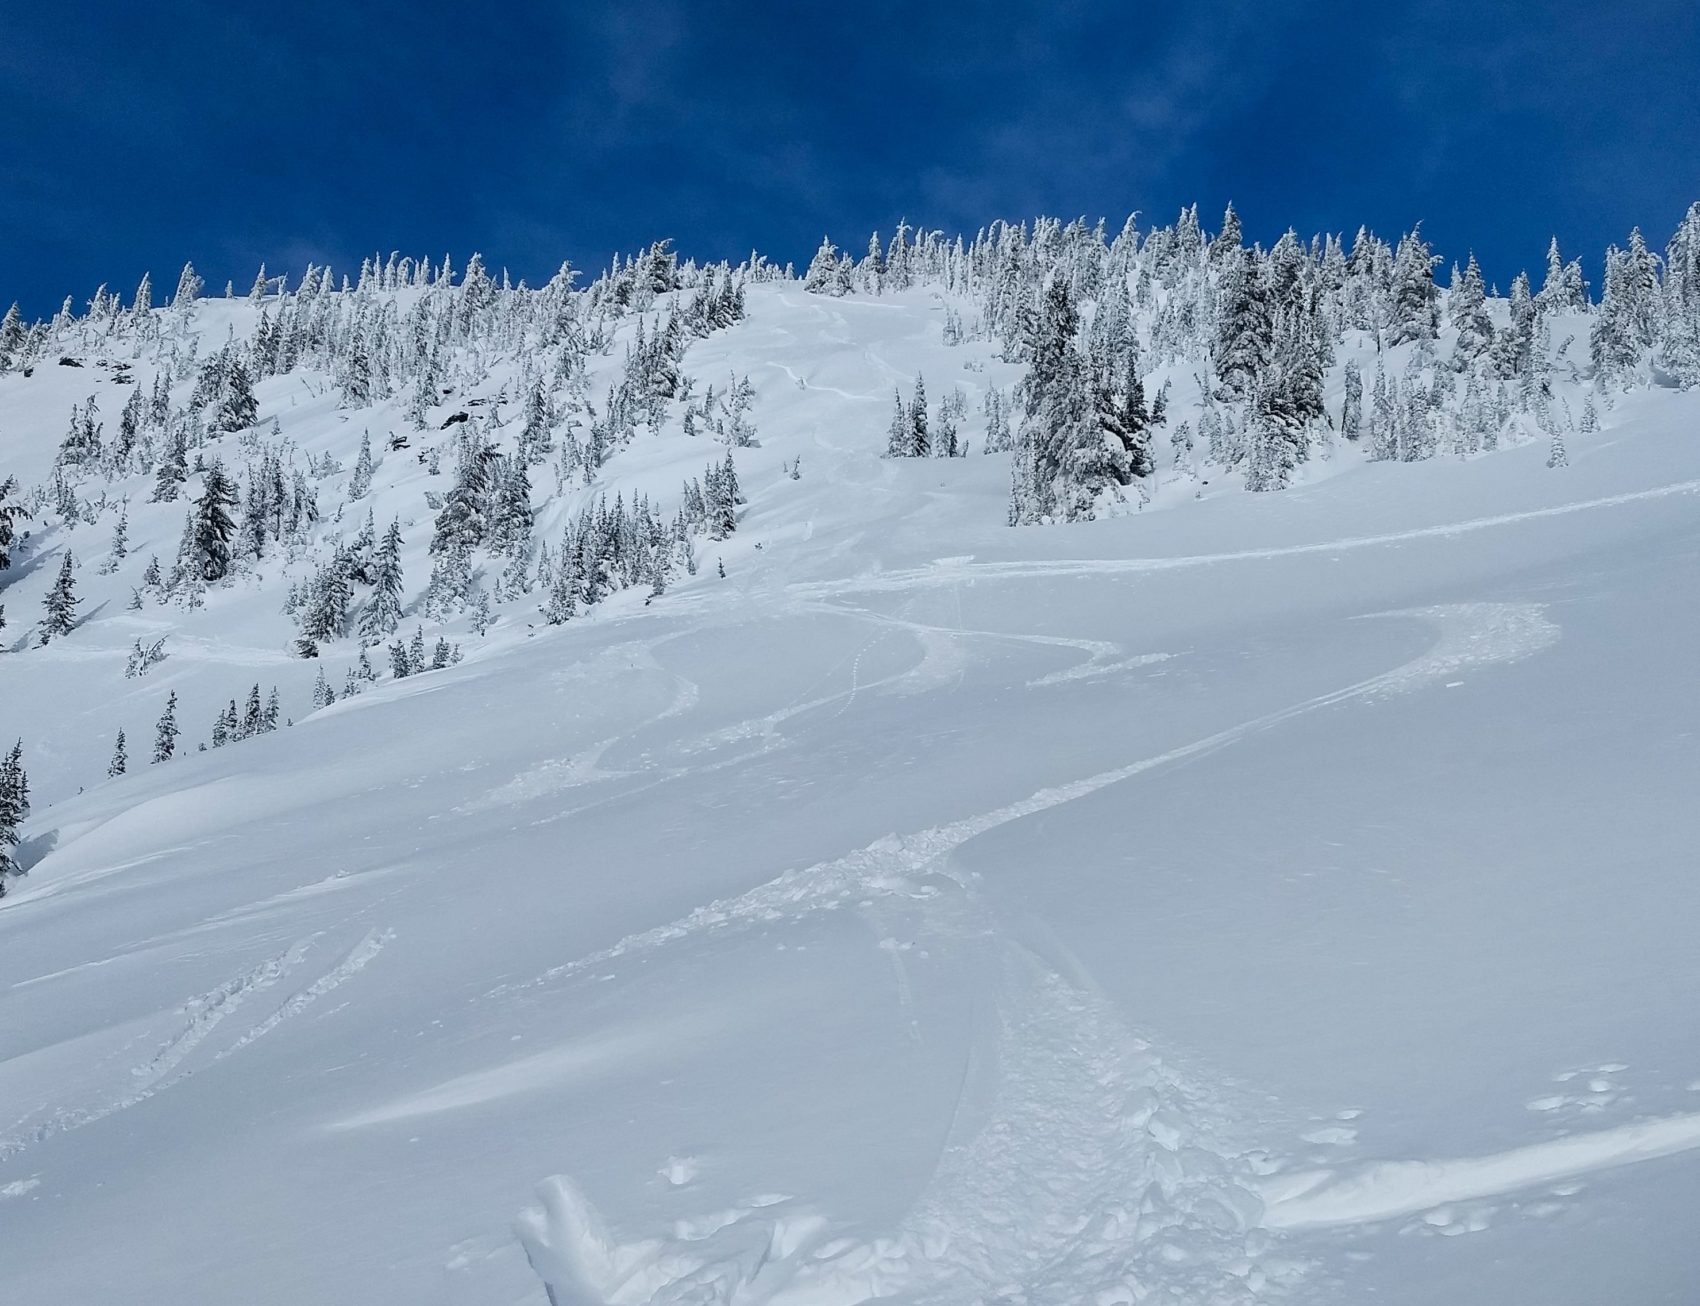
[14,807]
[920,441]
[165,733]
[214,524]
[360,481]
[1351,408]
[11,512]
[383,611]
[1467,307]
[60,604]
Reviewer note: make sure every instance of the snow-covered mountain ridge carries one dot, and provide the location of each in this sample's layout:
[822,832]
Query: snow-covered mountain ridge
[1232,896]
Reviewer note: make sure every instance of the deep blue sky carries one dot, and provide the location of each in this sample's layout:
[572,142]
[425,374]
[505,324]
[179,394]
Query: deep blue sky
[136,136]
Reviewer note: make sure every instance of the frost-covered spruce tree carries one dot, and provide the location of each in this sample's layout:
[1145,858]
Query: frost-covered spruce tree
[822,275]
[534,442]
[323,694]
[920,440]
[189,288]
[510,511]
[361,480]
[720,500]
[1467,307]
[1612,342]
[740,398]
[14,807]
[356,379]
[1564,290]
[1679,352]
[1412,313]
[12,511]
[237,410]
[120,759]
[324,616]
[1352,406]
[464,519]
[1417,436]
[1640,289]
[999,437]
[13,337]
[1137,420]
[1513,347]
[252,714]
[1383,427]
[173,469]
[1244,336]
[1474,417]
[165,733]
[898,436]
[81,445]
[1269,450]
[129,431]
[1122,420]
[562,603]
[215,526]
[450,587]
[382,613]
[60,604]
[953,411]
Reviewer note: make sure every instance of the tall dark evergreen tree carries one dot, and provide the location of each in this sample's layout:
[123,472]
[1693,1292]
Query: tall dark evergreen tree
[120,759]
[215,526]
[253,716]
[173,468]
[165,733]
[1412,311]
[1467,307]
[382,613]
[14,807]
[1679,351]
[920,441]
[1244,336]
[237,410]
[11,512]
[60,605]
[1351,410]
[897,437]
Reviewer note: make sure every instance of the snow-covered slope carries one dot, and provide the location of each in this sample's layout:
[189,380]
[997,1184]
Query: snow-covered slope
[1243,897]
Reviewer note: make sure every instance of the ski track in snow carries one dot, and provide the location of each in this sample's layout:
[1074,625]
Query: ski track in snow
[1093,1176]
[201,1016]
[354,962]
[1103,658]
[1478,632]
[920,577]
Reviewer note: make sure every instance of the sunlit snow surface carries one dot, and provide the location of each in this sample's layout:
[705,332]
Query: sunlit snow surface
[1283,897]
